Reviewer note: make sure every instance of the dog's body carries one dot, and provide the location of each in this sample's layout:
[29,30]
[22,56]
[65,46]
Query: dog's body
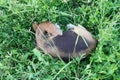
[70,44]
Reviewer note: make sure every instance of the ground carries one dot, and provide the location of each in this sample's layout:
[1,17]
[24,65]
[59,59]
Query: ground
[19,59]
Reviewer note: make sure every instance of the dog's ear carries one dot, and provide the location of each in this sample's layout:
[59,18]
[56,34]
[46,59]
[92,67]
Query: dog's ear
[35,25]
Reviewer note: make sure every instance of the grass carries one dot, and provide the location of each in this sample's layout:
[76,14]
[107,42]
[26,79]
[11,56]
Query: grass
[20,60]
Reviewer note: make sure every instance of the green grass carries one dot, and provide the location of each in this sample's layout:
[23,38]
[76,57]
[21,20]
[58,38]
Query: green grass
[20,60]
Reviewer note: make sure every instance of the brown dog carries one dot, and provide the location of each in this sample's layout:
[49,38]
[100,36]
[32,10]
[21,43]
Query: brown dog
[66,45]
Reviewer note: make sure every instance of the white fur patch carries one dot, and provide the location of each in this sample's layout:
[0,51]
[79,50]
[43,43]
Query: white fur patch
[70,26]
[58,26]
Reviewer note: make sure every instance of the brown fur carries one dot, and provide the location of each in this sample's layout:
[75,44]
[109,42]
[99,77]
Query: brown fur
[45,43]
[49,27]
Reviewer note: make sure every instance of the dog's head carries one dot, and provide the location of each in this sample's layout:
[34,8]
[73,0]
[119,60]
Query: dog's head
[48,28]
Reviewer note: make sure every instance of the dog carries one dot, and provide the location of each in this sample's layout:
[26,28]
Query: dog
[66,45]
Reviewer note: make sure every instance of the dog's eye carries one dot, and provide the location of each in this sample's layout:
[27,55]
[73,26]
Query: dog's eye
[45,33]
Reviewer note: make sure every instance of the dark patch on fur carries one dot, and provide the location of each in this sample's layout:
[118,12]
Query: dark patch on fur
[66,42]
